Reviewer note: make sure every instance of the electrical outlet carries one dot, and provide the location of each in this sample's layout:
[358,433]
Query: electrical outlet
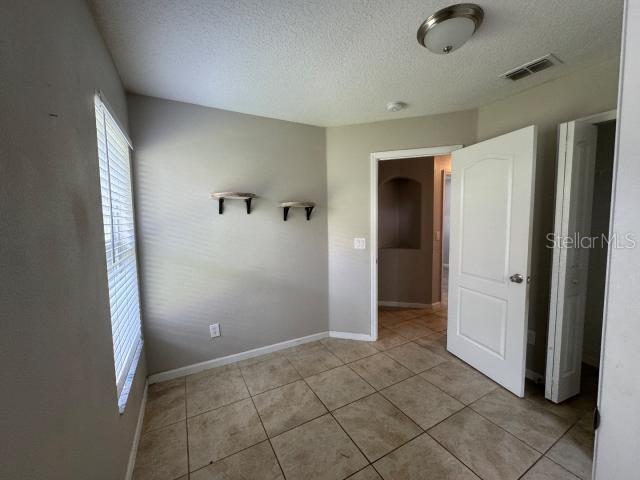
[531,337]
[359,243]
[214,330]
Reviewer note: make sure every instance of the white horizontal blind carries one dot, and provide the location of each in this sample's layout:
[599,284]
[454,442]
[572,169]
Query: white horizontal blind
[120,241]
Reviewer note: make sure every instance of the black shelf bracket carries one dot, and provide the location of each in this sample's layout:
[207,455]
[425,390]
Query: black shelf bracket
[248,202]
[220,206]
[308,210]
[286,213]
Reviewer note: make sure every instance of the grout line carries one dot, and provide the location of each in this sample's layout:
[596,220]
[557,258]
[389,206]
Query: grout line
[262,423]
[451,452]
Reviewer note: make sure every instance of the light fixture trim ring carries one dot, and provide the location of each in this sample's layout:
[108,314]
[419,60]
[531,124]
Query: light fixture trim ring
[461,10]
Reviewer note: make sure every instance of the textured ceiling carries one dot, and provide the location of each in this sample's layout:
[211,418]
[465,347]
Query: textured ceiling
[336,62]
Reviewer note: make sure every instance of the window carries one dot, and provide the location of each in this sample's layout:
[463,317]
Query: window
[120,246]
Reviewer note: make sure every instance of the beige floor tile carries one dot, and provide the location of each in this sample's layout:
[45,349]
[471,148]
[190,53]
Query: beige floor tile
[339,386]
[388,338]
[218,433]
[318,450]
[586,422]
[390,320]
[462,383]
[220,387]
[484,447]
[286,407]
[376,425]
[162,453]
[437,343]
[545,469]
[368,473]
[259,359]
[414,357]
[422,458]
[412,329]
[304,347]
[314,360]
[572,409]
[165,404]
[435,322]
[574,452]
[252,463]
[531,423]
[421,401]
[272,373]
[380,371]
[349,350]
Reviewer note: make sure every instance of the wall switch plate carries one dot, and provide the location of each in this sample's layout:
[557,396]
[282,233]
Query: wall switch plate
[359,243]
[531,337]
[214,330]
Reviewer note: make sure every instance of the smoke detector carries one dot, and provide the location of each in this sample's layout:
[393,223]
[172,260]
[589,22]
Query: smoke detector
[529,68]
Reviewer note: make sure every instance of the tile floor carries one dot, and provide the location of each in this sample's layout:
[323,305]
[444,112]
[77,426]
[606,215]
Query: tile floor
[398,408]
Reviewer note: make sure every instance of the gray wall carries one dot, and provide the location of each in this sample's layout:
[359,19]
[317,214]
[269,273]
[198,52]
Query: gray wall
[583,93]
[404,274]
[264,280]
[59,414]
[348,178]
[616,451]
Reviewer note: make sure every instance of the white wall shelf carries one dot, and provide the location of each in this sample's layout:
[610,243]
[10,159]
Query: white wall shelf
[308,207]
[222,196]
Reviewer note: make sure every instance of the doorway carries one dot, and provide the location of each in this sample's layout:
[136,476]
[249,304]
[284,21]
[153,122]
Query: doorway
[580,248]
[407,235]
[446,224]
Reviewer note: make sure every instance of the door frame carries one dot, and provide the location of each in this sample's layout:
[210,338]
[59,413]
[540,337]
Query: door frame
[376,157]
[551,344]
[445,174]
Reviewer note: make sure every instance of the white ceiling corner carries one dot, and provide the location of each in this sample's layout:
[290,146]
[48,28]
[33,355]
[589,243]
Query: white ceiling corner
[336,62]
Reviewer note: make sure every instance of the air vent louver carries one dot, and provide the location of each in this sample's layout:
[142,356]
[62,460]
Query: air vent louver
[531,67]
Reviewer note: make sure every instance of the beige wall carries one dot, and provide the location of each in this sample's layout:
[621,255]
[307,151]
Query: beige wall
[583,93]
[404,274]
[264,280]
[59,413]
[349,215]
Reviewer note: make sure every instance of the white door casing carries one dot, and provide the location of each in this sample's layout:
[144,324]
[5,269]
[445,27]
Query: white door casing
[574,196]
[491,213]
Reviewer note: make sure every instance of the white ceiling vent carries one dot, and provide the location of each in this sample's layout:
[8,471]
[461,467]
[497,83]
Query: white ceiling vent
[531,67]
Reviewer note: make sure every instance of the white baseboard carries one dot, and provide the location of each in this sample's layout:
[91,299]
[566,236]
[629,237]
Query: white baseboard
[136,437]
[218,362]
[534,376]
[350,336]
[407,304]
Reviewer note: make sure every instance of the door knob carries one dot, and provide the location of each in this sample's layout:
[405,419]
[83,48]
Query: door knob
[516,278]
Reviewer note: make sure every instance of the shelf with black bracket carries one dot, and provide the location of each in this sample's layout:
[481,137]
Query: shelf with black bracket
[308,207]
[222,196]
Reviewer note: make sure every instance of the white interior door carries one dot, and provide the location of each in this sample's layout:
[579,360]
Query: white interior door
[574,195]
[491,207]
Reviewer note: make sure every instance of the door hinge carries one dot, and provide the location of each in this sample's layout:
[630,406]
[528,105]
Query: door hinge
[596,418]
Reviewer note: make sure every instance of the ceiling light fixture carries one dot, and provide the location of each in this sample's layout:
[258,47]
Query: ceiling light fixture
[395,106]
[448,29]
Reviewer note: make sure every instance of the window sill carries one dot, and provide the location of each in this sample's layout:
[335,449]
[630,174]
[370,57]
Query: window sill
[126,389]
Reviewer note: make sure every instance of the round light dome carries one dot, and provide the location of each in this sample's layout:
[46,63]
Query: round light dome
[448,29]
